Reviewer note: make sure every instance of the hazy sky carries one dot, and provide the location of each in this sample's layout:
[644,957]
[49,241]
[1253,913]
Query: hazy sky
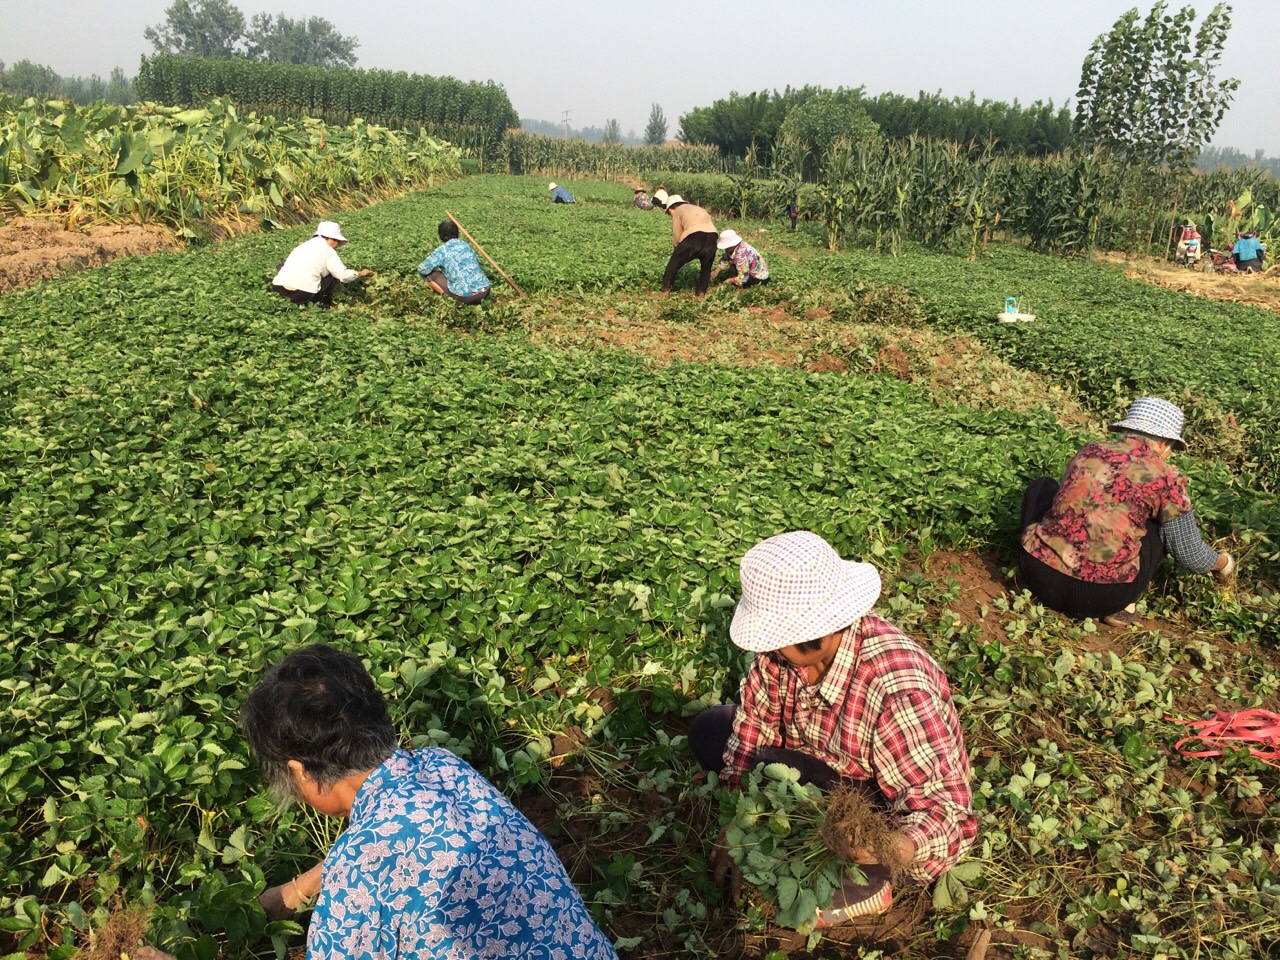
[600,60]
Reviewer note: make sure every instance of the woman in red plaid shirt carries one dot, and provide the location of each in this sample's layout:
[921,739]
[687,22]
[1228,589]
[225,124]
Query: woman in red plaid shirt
[843,696]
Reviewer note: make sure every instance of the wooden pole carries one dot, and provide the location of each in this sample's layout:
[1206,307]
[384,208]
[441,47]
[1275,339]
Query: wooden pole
[472,241]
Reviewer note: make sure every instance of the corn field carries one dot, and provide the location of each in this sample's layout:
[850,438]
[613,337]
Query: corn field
[943,195]
[530,153]
[472,116]
[196,169]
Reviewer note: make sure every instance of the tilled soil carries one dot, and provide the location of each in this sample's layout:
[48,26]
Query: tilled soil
[32,249]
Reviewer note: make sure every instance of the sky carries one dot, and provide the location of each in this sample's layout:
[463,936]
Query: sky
[599,59]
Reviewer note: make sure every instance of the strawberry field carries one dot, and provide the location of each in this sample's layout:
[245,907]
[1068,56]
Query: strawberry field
[526,518]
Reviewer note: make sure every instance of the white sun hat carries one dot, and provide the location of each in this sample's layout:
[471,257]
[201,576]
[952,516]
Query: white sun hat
[1155,418]
[551,186]
[330,230]
[796,588]
[728,238]
[660,195]
[675,198]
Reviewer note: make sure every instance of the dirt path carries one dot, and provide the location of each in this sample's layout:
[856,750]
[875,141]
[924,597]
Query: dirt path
[1255,289]
[32,250]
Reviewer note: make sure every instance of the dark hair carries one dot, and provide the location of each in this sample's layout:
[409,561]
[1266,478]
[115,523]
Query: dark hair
[318,706]
[448,230]
[810,646]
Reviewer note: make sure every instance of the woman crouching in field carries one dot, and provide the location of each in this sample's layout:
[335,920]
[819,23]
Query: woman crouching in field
[1091,544]
[453,268]
[434,861]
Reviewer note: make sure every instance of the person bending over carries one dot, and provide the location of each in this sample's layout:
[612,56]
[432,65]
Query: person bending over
[694,235]
[560,195]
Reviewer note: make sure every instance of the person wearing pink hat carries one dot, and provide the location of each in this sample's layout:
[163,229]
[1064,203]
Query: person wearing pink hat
[1091,544]
[743,259]
[842,696]
[313,270]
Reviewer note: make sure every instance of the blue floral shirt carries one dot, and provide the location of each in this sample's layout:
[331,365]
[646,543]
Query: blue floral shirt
[461,269]
[437,863]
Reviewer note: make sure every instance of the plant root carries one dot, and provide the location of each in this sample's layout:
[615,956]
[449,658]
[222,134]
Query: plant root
[853,822]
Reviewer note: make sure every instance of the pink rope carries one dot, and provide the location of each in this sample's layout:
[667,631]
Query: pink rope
[1235,730]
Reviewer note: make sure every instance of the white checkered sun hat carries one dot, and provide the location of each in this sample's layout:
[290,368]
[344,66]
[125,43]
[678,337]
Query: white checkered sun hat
[1155,418]
[796,588]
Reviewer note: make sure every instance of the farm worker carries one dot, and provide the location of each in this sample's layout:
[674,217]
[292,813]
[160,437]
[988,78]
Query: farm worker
[312,271]
[453,269]
[1189,244]
[844,697]
[560,195]
[641,200]
[433,860]
[660,197]
[694,235]
[793,211]
[1091,543]
[743,259]
[1248,253]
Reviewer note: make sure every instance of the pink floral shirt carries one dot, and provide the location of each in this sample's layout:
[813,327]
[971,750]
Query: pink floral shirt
[1110,491]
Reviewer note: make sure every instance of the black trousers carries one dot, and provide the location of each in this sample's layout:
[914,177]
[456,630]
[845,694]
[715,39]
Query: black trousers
[324,295]
[700,246]
[436,276]
[1079,598]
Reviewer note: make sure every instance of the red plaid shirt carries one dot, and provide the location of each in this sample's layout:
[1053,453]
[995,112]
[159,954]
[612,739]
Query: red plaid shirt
[883,712]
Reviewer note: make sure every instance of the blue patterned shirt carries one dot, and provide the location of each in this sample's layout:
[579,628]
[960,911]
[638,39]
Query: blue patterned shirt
[461,269]
[437,863]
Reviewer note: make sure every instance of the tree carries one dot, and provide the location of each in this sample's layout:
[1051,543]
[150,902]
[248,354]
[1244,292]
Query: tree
[612,132]
[1147,88]
[655,131]
[313,41]
[201,28]
[824,119]
[26,79]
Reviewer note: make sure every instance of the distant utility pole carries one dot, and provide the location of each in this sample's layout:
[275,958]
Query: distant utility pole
[564,118]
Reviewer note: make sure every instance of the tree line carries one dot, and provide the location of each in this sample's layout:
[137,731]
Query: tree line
[26,79]
[738,121]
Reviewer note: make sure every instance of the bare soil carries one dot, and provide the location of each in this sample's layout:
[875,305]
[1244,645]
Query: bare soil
[33,249]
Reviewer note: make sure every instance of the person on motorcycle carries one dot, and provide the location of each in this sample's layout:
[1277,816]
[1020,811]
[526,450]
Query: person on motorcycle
[1248,253]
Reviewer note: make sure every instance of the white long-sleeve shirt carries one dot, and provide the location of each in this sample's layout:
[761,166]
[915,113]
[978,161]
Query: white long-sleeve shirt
[309,263]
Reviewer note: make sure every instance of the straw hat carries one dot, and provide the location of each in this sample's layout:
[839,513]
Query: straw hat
[796,588]
[1155,418]
[551,186]
[674,199]
[729,238]
[330,231]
